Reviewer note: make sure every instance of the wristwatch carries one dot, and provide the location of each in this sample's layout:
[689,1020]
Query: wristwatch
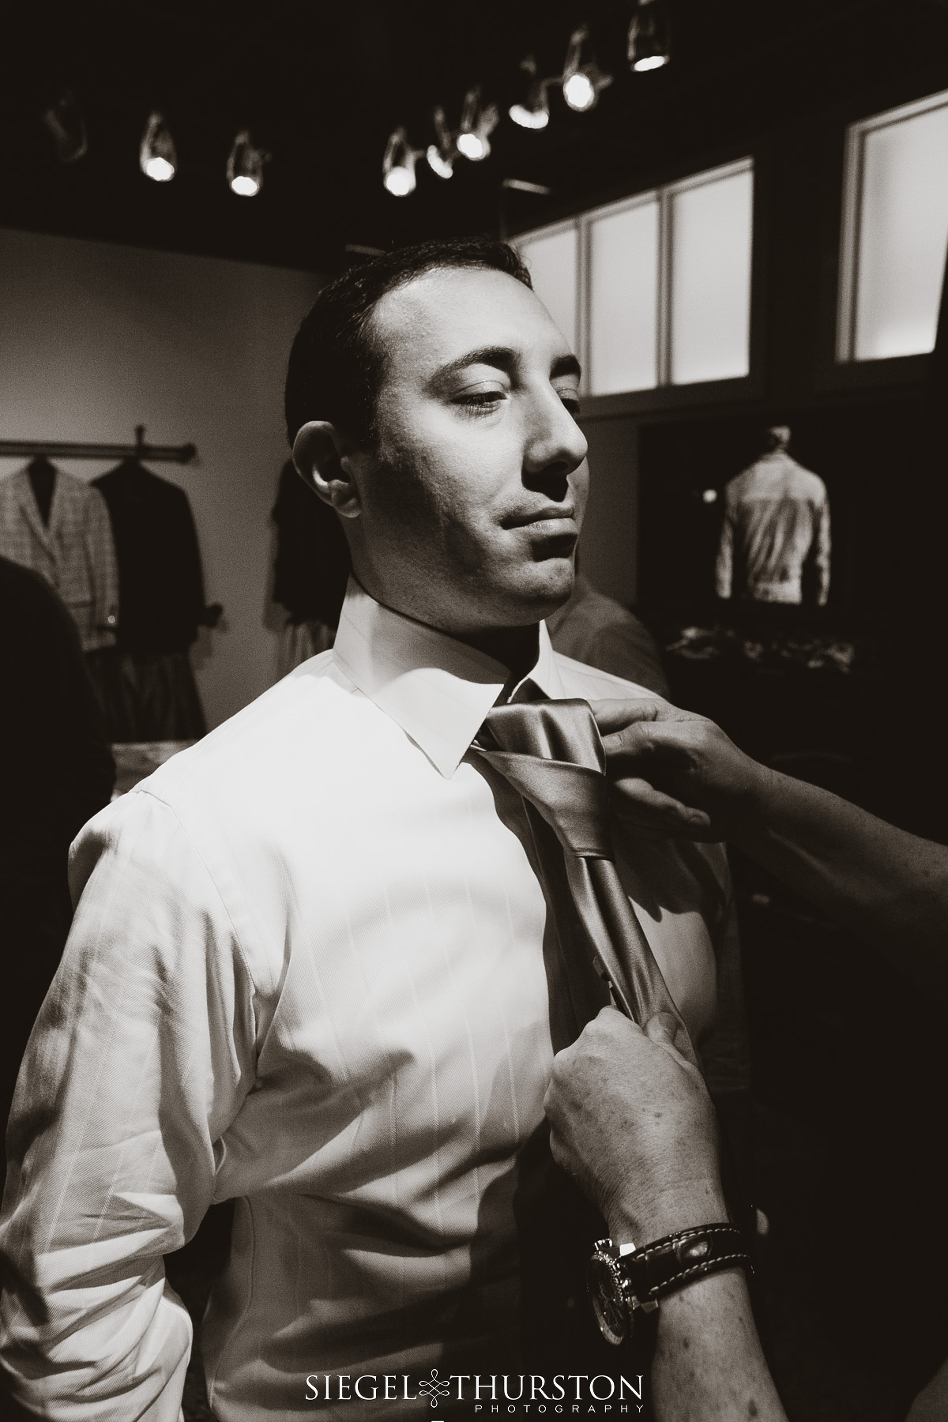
[623,1278]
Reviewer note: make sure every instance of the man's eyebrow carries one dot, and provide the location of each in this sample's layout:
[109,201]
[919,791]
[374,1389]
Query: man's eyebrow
[505,359]
[566,365]
[501,357]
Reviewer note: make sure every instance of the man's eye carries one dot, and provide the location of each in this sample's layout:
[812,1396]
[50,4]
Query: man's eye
[571,401]
[481,399]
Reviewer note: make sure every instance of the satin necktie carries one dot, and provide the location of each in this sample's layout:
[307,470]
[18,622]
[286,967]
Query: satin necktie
[552,754]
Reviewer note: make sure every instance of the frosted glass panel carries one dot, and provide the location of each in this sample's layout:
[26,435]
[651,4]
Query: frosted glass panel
[553,266]
[623,334]
[710,289]
[903,235]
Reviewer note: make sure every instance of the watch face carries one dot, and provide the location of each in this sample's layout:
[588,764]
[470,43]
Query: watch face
[609,1306]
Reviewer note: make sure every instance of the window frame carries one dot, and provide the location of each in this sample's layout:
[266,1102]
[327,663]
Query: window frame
[851,228]
[664,194]
[584,223]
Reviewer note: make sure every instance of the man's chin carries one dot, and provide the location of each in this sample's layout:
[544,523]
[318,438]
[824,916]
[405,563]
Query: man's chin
[547,586]
[557,577]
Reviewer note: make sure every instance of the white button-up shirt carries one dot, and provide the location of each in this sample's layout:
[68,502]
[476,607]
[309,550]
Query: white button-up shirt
[306,971]
[776,518]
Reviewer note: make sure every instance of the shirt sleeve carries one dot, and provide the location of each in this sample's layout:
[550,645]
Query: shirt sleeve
[140,1058]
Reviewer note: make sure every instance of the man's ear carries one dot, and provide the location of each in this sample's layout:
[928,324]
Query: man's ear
[322,457]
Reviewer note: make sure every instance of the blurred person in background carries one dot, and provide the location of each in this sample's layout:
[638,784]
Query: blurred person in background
[56,772]
[599,631]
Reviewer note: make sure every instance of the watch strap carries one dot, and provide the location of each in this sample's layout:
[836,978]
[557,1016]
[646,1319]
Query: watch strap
[668,1264]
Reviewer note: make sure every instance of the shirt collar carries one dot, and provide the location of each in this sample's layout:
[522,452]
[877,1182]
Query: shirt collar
[437,689]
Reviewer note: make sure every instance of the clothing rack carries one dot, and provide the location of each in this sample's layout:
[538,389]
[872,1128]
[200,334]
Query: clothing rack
[154,453]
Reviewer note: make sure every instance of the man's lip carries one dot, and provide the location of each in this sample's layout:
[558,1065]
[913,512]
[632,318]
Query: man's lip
[544,516]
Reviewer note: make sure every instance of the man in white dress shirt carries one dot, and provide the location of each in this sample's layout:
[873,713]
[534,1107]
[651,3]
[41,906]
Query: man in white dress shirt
[307,966]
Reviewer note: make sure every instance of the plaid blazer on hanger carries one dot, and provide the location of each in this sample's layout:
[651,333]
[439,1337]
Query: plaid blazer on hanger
[74,551]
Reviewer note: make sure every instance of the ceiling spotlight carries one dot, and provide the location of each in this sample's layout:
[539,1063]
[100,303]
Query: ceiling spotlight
[441,155]
[649,36]
[476,125]
[245,166]
[521,185]
[582,82]
[398,165]
[535,112]
[156,156]
[65,122]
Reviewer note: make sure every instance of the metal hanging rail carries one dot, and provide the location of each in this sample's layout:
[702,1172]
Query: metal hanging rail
[53,449]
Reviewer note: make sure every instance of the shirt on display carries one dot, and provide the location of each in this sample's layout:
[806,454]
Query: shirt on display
[307,972]
[776,520]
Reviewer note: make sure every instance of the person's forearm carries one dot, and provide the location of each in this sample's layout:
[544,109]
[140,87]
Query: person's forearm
[709,1366]
[888,887]
[677,773]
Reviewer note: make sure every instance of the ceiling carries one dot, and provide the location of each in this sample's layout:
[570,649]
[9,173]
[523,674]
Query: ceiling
[321,86]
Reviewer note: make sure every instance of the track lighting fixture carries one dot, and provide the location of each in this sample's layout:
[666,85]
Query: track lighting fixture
[649,36]
[245,166]
[65,122]
[582,82]
[521,185]
[535,111]
[441,155]
[156,156]
[476,125]
[398,165]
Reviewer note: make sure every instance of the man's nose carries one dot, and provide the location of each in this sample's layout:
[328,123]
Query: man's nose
[555,444]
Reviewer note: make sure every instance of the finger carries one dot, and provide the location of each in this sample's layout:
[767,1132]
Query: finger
[652,748]
[615,1020]
[615,715]
[636,801]
[630,741]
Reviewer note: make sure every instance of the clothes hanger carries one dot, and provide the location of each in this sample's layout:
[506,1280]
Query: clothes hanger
[132,463]
[42,476]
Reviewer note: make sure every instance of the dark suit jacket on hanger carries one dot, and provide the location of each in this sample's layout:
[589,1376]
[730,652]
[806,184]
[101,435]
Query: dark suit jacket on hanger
[161,585]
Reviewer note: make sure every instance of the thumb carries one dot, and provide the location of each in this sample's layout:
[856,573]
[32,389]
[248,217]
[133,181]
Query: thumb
[662,1028]
[667,1030]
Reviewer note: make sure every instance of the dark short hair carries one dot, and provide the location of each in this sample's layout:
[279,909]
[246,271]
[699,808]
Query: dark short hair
[335,368]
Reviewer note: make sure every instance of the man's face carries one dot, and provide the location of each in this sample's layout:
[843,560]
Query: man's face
[472,501]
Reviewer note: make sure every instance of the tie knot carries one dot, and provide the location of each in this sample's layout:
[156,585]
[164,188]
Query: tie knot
[563,731]
[551,752]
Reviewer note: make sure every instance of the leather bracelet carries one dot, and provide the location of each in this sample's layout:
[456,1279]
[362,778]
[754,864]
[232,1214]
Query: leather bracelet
[676,1260]
[623,1279]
